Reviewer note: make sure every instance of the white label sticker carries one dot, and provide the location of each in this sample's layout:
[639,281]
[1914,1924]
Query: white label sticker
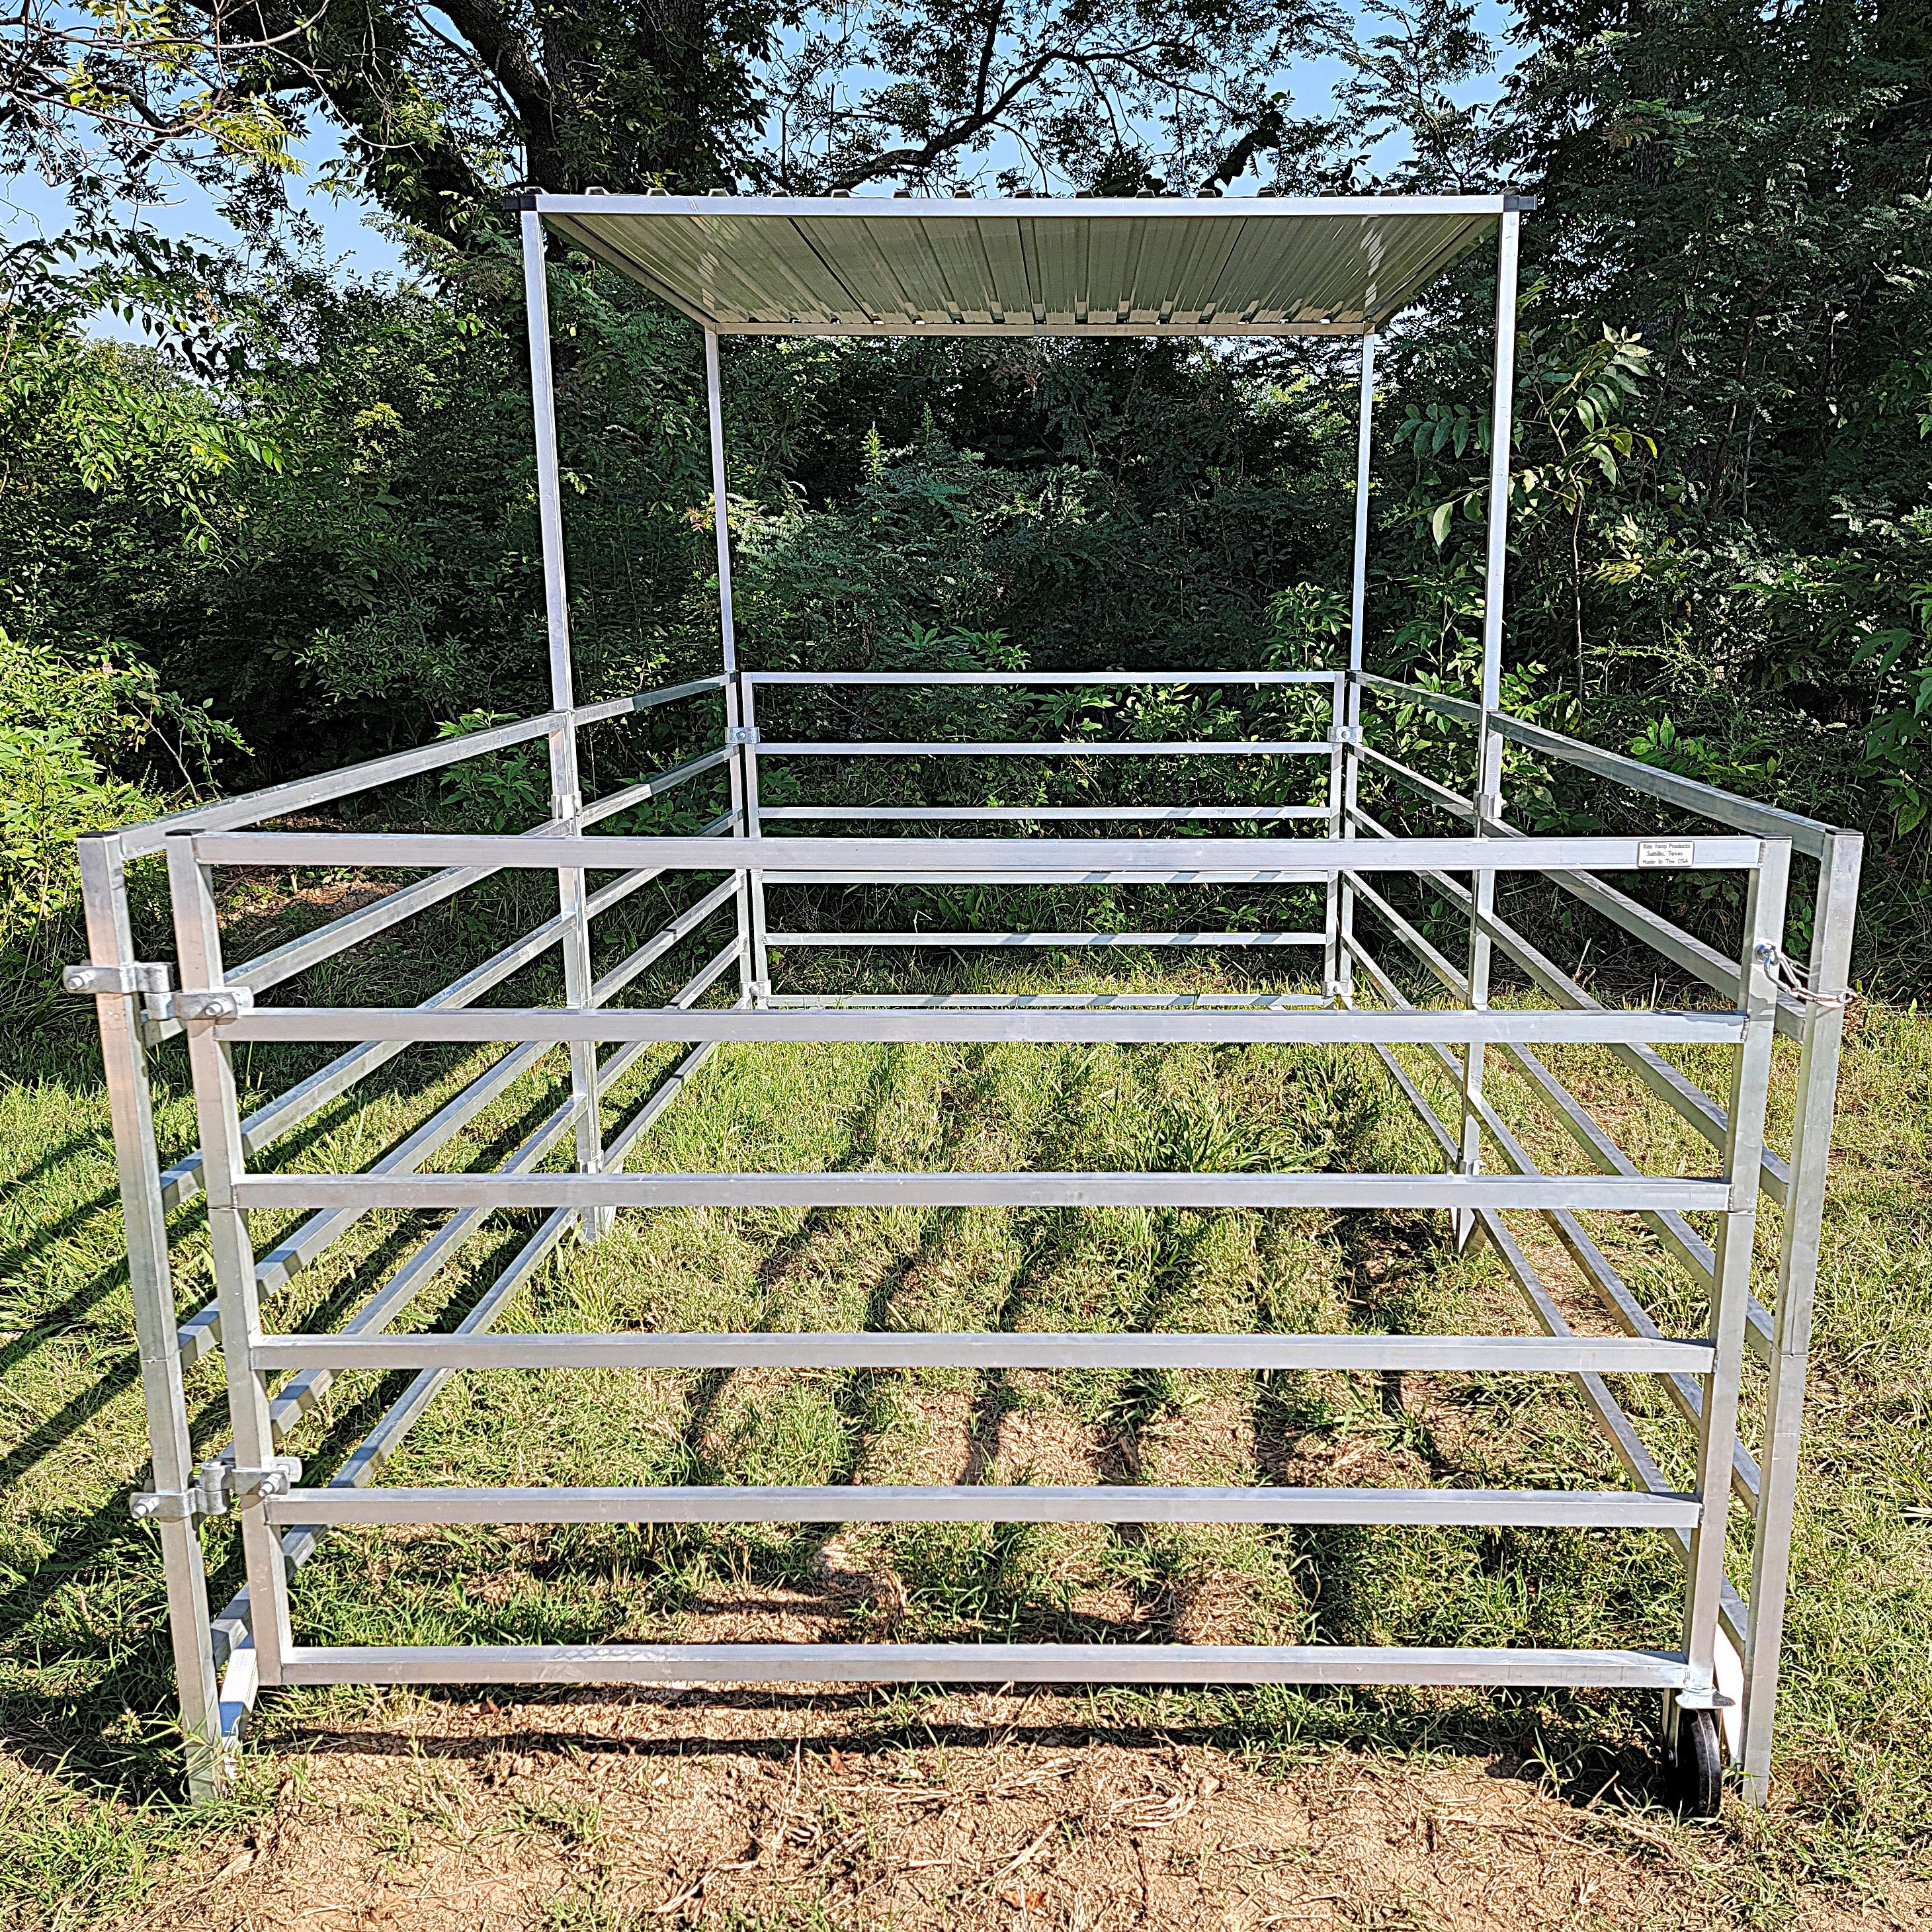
[1665,852]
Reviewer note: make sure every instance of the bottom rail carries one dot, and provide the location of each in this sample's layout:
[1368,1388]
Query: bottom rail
[981,1663]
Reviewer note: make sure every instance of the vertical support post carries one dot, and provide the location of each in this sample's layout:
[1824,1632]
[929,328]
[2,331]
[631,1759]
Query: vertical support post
[198,942]
[753,991]
[565,785]
[1830,979]
[760,950]
[1743,1161]
[103,885]
[1348,725]
[1489,741]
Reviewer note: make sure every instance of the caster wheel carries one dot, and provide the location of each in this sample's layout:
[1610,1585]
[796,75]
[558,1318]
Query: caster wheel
[1700,1765]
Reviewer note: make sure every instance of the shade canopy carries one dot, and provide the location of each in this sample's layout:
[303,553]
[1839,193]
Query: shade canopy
[862,266]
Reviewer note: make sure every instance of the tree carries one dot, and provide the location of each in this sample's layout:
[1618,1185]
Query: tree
[439,106]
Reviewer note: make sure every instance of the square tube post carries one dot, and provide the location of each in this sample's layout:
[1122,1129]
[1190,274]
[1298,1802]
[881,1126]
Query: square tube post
[1830,981]
[754,990]
[198,942]
[1744,1158]
[1489,741]
[761,948]
[565,784]
[104,884]
[1347,722]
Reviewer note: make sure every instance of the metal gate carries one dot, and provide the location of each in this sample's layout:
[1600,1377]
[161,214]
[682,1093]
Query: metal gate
[1726,1661]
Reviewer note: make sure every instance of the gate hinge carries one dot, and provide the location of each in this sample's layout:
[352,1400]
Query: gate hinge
[130,976]
[216,1485]
[743,734]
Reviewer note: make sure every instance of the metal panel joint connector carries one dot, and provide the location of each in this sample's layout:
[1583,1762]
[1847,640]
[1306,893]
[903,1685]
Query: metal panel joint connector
[129,976]
[224,1003]
[206,1495]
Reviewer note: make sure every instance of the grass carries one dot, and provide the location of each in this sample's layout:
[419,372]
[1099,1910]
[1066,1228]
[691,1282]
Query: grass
[89,1826]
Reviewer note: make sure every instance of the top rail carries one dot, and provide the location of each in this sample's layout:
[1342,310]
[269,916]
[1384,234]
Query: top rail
[297,794]
[1071,678]
[1810,836]
[974,857]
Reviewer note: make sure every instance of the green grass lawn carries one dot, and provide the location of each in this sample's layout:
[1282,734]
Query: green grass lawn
[88,1824]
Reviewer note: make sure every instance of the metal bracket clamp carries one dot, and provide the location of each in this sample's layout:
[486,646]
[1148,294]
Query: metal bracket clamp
[224,1002]
[216,1485]
[743,734]
[130,977]
[1347,734]
[202,1497]
[245,1486]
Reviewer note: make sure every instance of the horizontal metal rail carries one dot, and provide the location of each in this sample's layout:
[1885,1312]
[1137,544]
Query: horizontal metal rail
[1036,747]
[182,1182]
[1022,1189]
[991,875]
[300,1394]
[1682,1095]
[1255,1003]
[836,1349]
[862,1502]
[960,679]
[346,781]
[644,700]
[1592,1262]
[302,1246]
[971,858]
[1020,815]
[655,948]
[1091,941]
[1617,1430]
[1808,836]
[1039,1024]
[980,1663]
[654,786]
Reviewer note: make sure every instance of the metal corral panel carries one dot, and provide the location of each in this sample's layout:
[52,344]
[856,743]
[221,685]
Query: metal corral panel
[864,266]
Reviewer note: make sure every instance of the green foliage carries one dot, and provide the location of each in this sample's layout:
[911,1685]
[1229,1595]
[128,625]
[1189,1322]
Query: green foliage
[500,792]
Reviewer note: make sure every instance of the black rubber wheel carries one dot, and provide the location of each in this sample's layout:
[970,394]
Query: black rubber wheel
[1700,1765]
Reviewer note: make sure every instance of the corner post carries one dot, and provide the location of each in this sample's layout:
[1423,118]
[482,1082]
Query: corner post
[1829,981]
[218,1114]
[1488,800]
[1743,1162]
[104,886]
[565,785]
[753,990]
[1345,786]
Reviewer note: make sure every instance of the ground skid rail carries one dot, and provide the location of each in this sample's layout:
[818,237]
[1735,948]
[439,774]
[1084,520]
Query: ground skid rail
[1207,268]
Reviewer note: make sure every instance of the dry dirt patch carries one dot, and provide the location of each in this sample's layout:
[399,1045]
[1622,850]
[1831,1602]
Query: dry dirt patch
[770,1809]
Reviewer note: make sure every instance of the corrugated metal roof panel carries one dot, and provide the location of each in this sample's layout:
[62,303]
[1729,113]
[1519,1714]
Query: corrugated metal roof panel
[775,265]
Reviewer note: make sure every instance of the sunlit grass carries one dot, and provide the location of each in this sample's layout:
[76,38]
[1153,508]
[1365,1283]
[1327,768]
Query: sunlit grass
[87,1821]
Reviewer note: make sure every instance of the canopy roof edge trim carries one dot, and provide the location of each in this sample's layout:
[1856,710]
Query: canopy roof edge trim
[778,265]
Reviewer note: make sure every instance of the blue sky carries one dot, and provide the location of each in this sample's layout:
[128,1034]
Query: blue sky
[353,241]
